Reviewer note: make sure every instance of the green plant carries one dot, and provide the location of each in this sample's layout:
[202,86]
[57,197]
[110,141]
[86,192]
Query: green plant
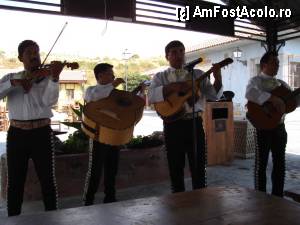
[77,142]
[153,140]
[134,80]
[78,113]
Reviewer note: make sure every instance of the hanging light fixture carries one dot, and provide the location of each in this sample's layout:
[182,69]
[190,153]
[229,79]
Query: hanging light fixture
[237,54]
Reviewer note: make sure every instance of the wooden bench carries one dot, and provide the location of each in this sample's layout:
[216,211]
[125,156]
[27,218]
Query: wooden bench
[208,206]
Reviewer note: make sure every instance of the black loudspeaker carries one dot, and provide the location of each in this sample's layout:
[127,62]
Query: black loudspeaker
[100,9]
[228,95]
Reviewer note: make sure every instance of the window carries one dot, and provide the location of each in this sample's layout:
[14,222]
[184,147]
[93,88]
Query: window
[70,86]
[254,67]
[70,94]
[257,68]
[294,75]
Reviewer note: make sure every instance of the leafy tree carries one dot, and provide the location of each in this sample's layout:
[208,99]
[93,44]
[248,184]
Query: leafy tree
[133,80]
[135,56]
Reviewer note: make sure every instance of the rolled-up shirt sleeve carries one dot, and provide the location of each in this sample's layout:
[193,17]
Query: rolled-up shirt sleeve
[255,94]
[95,93]
[155,93]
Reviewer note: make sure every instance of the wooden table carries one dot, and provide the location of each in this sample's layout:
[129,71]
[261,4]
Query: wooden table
[210,206]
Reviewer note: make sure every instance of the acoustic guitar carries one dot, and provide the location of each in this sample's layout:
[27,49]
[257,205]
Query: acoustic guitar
[111,120]
[266,116]
[172,108]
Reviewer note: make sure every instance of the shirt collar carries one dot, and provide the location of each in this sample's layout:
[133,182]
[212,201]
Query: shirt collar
[104,85]
[172,69]
[265,76]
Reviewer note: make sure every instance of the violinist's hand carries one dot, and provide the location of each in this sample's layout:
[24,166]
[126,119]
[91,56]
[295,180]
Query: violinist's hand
[55,68]
[24,83]
[117,82]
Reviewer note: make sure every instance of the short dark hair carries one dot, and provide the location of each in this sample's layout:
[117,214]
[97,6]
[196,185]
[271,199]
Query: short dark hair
[24,44]
[266,57]
[101,68]
[173,44]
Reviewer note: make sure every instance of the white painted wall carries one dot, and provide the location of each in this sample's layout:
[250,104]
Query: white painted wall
[236,75]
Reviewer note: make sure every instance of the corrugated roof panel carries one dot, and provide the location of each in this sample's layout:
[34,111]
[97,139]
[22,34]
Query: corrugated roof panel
[37,5]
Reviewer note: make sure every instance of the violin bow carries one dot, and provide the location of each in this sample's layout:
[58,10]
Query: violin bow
[42,78]
[54,43]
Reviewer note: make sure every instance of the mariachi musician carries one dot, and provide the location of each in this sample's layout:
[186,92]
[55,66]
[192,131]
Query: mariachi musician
[30,135]
[179,134]
[102,156]
[259,92]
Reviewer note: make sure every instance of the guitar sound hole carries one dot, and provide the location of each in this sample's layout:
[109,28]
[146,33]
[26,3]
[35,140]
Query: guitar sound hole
[123,102]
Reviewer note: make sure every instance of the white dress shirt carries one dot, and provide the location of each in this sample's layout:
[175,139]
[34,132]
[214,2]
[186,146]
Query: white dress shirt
[259,88]
[97,92]
[170,75]
[36,104]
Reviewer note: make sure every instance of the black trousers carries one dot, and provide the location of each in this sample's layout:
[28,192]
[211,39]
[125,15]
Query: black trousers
[104,157]
[36,144]
[275,141]
[179,142]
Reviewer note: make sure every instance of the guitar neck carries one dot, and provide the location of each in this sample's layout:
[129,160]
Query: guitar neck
[136,90]
[204,75]
[223,63]
[139,87]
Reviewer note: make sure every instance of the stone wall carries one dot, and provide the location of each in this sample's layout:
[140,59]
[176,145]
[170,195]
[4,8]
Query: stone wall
[137,167]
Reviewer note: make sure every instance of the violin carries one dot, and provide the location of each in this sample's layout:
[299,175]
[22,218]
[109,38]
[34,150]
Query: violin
[37,75]
[52,69]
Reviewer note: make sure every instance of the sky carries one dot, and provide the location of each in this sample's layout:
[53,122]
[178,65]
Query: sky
[89,37]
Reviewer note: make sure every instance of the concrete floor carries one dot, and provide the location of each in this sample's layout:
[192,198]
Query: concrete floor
[238,173]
